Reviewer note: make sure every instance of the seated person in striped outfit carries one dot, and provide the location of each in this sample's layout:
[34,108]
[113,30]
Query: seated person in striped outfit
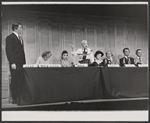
[87,53]
[109,59]
[45,59]
[98,62]
[138,58]
[126,59]
[65,61]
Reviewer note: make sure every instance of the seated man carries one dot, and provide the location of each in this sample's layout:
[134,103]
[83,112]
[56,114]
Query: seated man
[126,59]
[138,58]
[45,59]
[109,59]
[87,53]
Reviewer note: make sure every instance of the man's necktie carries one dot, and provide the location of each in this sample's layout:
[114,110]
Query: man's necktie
[20,40]
[128,60]
[140,60]
[109,61]
[84,54]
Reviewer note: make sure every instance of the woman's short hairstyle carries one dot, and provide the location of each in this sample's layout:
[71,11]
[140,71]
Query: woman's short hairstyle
[98,52]
[45,53]
[15,26]
[64,52]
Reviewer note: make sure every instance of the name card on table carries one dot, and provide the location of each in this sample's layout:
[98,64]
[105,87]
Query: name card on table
[54,65]
[143,65]
[29,65]
[81,65]
[43,65]
[129,65]
[113,65]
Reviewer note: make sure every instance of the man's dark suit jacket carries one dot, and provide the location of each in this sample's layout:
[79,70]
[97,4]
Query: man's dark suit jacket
[15,50]
[124,61]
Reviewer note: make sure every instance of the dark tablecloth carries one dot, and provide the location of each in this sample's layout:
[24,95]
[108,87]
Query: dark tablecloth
[125,82]
[48,85]
[45,85]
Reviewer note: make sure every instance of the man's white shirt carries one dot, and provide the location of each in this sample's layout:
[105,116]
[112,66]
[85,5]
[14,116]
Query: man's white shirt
[18,36]
[89,53]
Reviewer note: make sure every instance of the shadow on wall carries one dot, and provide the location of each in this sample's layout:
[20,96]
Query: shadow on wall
[55,60]
[119,56]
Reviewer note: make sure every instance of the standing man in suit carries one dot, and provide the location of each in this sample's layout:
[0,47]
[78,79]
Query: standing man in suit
[16,57]
[126,59]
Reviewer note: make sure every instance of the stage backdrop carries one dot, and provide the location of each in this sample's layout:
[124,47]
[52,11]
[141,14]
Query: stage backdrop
[54,32]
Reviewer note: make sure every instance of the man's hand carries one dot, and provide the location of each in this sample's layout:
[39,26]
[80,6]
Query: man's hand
[13,66]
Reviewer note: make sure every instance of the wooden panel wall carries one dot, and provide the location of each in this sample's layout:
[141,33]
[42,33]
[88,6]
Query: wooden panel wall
[5,70]
[54,32]
[30,40]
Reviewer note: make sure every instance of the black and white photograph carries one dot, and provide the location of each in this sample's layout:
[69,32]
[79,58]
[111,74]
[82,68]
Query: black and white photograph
[75,61]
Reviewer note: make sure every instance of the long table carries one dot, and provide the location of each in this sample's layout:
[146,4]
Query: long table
[125,82]
[49,85]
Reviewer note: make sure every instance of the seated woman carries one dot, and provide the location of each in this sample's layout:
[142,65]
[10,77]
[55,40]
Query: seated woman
[65,61]
[98,59]
[110,59]
[45,59]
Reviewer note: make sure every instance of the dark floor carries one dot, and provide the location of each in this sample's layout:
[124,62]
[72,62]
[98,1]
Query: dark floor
[88,105]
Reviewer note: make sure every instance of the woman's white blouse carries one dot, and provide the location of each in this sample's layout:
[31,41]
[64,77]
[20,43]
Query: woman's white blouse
[40,60]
